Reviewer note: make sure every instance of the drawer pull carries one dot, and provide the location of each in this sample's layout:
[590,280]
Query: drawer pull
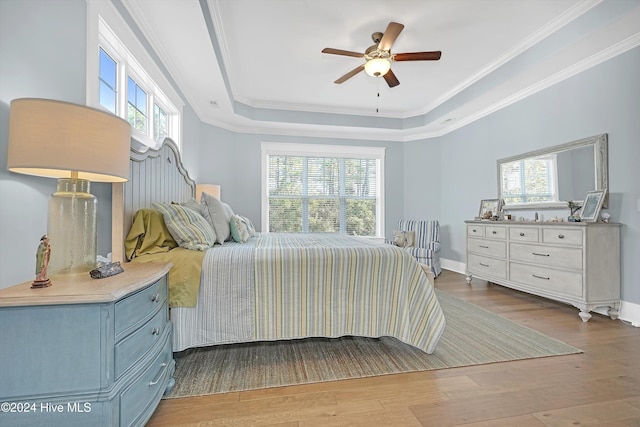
[494,232]
[483,247]
[484,265]
[159,377]
[156,297]
[540,277]
[474,230]
[536,254]
[521,234]
[155,331]
[560,236]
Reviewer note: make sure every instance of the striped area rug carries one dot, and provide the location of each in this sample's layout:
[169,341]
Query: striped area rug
[472,336]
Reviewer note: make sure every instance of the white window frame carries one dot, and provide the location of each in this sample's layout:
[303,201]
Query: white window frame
[552,181]
[106,29]
[320,150]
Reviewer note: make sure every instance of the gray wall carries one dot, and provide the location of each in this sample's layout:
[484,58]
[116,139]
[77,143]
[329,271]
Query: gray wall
[42,55]
[234,161]
[604,99]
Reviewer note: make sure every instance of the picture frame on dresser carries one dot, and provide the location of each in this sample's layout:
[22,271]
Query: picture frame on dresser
[489,205]
[592,205]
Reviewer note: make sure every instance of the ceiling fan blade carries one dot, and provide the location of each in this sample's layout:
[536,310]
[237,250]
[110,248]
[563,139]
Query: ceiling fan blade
[391,79]
[342,52]
[350,74]
[390,35]
[418,56]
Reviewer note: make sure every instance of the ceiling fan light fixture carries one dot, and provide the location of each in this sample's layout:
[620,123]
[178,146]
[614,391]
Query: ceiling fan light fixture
[377,67]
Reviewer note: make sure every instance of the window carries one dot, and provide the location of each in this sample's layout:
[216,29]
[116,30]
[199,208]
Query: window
[136,106]
[530,180]
[123,79]
[323,189]
[108,84]
[159,123]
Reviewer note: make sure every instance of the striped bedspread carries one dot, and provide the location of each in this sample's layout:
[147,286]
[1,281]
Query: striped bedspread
[312,285]
[327,285]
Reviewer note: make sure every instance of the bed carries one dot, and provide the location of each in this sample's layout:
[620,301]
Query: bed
[272,286]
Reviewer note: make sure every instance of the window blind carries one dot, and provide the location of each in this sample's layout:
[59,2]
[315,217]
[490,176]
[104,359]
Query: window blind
[314,194]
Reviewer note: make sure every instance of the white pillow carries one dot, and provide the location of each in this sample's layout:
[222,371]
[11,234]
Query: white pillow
[404,239]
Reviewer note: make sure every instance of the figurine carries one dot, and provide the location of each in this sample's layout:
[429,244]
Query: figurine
[43,255]
[573,208]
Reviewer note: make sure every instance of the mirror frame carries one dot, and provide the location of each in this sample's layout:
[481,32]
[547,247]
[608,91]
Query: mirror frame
[601,162]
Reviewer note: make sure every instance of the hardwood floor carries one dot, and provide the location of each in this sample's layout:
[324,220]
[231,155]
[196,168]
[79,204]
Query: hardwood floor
[600,387]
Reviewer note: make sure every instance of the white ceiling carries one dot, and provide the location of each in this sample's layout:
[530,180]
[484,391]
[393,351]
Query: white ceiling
[256,65]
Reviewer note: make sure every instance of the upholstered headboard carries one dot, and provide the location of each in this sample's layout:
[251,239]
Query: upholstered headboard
[154,176]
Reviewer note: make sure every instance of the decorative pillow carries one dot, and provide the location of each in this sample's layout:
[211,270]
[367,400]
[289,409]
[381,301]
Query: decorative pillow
[250,227]
[404,239]
[239,229]
[189,229]
[217,216]
[192,204]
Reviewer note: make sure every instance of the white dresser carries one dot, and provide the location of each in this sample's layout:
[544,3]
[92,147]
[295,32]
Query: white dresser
[575,263]
[86,352]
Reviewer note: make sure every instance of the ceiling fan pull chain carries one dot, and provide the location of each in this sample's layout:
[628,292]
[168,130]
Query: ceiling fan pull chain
[378,96]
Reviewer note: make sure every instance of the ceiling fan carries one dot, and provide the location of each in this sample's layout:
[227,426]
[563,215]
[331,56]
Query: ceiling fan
[378,57]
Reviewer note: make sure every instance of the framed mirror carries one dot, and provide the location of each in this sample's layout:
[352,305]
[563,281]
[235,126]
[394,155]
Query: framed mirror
[550,177]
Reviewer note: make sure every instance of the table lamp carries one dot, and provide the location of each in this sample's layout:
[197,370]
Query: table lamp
[77,145]
[212,189]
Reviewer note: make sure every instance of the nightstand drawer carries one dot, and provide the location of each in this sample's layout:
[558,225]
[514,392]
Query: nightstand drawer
[134,347]
[133,310]
[138,400]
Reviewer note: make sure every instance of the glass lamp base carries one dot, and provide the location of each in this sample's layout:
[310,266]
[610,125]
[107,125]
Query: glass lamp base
[72,227]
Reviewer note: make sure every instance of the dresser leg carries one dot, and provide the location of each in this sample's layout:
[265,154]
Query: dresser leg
[468,279]
[584,315]
[613,313]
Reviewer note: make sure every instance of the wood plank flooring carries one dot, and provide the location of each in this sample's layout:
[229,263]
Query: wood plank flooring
[598,388]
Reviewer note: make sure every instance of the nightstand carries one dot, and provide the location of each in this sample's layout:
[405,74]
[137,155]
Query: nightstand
[86,351]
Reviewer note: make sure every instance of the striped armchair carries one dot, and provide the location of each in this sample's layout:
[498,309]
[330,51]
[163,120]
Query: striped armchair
[426,249]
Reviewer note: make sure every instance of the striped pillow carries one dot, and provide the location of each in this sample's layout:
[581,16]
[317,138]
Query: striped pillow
[188,228]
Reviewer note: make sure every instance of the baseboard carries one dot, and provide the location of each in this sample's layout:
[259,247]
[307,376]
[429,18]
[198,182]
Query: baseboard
[455,266]
[629,312]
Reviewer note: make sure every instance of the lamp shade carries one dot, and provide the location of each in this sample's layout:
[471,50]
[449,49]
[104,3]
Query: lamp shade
[212,189]
[54,138]
[377,67]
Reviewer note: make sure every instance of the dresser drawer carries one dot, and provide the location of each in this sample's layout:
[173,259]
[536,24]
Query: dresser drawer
[133,310]
[495,232]
[489,266]
[550,256]
[562,236]
[138,400]
[135,346]
[475,230]
[547,279]
[487,247]
[523,234]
